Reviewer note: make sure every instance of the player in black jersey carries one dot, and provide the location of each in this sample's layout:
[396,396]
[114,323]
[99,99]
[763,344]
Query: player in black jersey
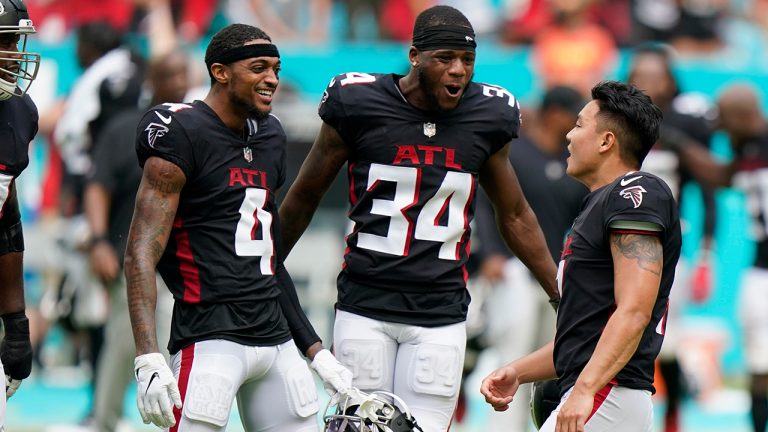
[18,114]
[616,270]
[416,147]
[206,218]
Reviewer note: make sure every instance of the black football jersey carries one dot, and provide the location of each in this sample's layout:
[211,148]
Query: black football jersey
[586,282]
[220,259]
[19,125]
[412,181]
[752,177]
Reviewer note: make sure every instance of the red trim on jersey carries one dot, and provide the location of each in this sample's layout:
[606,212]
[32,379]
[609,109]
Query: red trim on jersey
[3,167]
[638,232]
[600,397]
[409,234]
[352,196]
[190,274]
[442,210]
[347,250]
[663,323]
[464,236]
[567,247]
[187,358]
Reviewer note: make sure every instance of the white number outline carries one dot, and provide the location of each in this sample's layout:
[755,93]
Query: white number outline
[252,213]
[492,90]
[356,78]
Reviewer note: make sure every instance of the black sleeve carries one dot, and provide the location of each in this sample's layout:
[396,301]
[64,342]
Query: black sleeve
[644,199]
[302,331]
[503,107]
[160,133]
[512,118]
[331,108]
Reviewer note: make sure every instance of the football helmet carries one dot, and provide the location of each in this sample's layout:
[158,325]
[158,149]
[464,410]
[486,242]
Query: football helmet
[378,411]
[18,68]
[545,397]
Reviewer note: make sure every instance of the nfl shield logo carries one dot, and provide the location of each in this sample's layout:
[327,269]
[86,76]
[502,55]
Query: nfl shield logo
[430,129]
[248,154]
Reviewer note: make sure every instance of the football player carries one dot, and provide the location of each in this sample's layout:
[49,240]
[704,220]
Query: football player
[18,68]
[615,274]
[206,218]
[416,148]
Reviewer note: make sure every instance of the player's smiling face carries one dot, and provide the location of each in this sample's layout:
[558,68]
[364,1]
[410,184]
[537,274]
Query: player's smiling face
[443,76]
[253,83]
[584,142]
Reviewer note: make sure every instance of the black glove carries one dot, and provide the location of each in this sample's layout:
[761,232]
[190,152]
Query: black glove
[15,351]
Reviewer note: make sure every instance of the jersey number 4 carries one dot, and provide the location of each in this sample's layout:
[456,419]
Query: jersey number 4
[453,197]
[252,214]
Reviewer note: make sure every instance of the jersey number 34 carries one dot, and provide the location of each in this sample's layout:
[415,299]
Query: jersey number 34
[452,196]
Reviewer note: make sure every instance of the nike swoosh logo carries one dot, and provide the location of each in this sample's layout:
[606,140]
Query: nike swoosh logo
[625,182]
[166,120]
[152,378]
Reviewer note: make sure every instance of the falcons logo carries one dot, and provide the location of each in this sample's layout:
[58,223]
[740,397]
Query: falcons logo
[634,193]
[155,131]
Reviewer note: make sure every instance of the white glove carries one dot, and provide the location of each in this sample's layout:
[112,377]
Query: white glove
[157,390]
[11,385]
[336,378]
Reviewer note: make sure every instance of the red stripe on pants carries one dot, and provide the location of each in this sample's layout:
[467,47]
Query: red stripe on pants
[187,357]
[600,397]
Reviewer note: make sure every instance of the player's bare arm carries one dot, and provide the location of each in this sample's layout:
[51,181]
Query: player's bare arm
[516,220]
[325,159]
[637,261]
[500,386]
[156,204]
[11,283]
[11,275]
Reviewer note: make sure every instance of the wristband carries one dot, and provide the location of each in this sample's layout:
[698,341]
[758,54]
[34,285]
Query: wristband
[16,324]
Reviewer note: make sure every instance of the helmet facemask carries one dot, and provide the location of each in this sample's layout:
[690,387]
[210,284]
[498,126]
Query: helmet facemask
[16,82]
[362,412]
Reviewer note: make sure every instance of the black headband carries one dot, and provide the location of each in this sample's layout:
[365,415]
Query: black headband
[243,52]
[445,37]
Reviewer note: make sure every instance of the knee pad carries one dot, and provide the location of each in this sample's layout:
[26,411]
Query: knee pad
[367,361]
[435,370]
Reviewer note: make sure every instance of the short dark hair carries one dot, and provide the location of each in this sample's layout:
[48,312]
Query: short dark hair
[631,115]
[232,36]
[440,15]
